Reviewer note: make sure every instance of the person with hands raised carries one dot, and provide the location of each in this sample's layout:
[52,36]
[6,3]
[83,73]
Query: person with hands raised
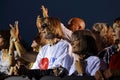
[39,19]
[45,11]
[7,54]
[16,39]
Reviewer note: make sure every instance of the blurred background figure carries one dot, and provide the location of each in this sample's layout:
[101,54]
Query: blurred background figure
[76,24]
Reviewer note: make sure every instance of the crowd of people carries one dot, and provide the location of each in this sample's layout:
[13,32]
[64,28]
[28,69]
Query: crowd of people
[59,52]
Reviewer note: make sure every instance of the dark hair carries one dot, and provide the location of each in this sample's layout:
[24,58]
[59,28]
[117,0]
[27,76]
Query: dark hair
[87,43]
[79,33]
[117,19]
[5,34]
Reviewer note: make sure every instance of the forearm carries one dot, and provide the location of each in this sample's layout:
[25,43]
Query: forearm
[20,49]
[11,53]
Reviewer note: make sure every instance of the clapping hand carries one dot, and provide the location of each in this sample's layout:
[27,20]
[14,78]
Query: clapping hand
[14,30]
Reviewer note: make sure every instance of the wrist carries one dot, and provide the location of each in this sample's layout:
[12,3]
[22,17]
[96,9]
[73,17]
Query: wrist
[15,39]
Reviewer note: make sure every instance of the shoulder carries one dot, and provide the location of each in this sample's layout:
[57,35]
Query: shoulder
[63,42]
[93,59]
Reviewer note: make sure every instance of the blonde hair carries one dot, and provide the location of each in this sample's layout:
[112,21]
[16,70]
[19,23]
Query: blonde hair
[55,27]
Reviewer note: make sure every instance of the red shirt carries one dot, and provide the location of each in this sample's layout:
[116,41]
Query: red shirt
[115,61]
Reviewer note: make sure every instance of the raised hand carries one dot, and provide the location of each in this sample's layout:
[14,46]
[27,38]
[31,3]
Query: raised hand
[45,11]
[14,30]
[38,20]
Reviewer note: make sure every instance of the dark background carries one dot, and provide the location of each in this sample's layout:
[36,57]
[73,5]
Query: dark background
[26,11]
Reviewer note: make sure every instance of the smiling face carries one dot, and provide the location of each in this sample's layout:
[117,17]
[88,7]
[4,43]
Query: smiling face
[78,45]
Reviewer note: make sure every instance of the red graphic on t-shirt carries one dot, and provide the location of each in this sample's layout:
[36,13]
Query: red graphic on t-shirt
[44,63]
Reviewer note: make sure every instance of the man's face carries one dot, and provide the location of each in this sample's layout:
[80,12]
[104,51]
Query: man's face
[77,26]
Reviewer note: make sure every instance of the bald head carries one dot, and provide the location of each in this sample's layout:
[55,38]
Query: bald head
[76,24]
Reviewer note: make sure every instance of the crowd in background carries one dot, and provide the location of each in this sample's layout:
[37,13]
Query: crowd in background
[60,52]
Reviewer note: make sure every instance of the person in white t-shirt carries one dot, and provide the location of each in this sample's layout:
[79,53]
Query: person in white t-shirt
[7,53]
[55,54]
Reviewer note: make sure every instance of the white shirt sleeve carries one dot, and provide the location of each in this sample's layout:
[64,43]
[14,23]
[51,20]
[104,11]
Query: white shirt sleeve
[93,65]
[67,32]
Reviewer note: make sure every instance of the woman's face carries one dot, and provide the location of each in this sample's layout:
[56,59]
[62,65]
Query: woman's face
[75,45]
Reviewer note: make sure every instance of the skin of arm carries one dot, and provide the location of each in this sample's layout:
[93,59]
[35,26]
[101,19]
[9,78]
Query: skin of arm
[22,53]
[15,37]
[11,53]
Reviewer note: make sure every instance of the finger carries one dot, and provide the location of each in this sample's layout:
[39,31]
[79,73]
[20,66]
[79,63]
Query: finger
[16,22]
[16,26]
[43,7]
[46,10]
[11,26]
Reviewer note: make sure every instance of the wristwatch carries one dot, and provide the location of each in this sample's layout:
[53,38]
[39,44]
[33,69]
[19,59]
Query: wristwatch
[14,39]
